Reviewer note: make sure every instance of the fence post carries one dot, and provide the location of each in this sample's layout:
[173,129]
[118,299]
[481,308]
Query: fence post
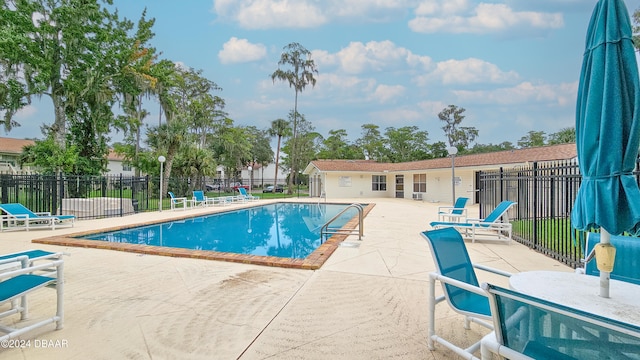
[122,195]
[535,204]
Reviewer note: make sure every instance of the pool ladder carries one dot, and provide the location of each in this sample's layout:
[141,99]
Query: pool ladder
[326,230]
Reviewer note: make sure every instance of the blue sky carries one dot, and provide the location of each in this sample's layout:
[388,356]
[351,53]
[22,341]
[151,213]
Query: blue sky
[512,64]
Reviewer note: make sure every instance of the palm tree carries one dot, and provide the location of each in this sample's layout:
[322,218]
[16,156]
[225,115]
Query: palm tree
[279,128]
[299,77]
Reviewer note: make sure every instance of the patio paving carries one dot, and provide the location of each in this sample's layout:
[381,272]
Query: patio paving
[366,302]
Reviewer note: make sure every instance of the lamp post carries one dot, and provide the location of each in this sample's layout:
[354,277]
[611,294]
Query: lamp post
[453,151]
[162,159]
[250,176]
[298,179]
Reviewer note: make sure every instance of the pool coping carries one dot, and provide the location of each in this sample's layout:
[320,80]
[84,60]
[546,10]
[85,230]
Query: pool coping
[313,261]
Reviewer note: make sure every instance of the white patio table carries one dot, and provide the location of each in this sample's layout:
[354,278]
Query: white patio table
[581,292]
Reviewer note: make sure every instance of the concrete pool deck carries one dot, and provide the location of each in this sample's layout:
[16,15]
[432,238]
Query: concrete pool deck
[366,302]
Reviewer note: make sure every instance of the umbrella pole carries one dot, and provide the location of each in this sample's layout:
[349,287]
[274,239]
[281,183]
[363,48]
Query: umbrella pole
[605,239]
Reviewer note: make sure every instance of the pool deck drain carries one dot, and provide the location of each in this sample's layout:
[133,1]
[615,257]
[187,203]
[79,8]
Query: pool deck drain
[349,244]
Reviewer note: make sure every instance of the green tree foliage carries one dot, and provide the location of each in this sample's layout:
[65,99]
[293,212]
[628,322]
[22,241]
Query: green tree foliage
[232,147]
[564,136]
[136,82]
[406,144]
[438,150]
[371,142]
[67,50]
[309,143]
[458,136]
[280,128]
[337,146]
[166,140]
[300,74]
[261,152]
[195,163]
[532,139]
[49,157]
[191,111]
[487,148]
[636,28]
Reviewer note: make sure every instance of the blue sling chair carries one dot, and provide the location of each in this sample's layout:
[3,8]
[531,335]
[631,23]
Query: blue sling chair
[529,328]
[489,228]
[455,213]
[455,271]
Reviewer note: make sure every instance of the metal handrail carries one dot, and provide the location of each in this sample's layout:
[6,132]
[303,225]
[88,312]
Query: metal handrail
[325,228]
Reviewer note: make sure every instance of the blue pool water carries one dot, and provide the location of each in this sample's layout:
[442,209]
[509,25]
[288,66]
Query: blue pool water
[290,230]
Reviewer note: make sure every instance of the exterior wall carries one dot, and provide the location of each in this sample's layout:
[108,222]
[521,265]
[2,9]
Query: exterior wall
[355,185]
[438,185]
[264,175]
[358,184]
[115,167]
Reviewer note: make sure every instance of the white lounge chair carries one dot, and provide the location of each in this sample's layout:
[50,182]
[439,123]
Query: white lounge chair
[17,217]
[529,328]
[490,227]
[17,284]
[455,271]
[455,213]
[199,199]
[178,202]
[248,197]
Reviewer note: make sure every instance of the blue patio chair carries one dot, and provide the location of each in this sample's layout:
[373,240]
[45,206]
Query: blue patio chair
[17,216]
[455,271]
[178,202]
[491,227]
[17,284]
[528,328]
[456,213]
[248,197]
[33,255]
[627,262]
[199,199]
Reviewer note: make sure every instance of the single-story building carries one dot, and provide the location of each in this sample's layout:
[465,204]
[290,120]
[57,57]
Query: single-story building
[428,180]
[10,150]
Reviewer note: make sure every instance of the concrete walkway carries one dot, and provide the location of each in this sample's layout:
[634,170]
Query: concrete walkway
[367,301]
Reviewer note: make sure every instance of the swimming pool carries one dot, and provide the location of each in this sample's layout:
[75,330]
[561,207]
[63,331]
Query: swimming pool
[286,230]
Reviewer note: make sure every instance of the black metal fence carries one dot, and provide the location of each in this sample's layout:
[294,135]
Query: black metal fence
[93,197]
[545,193]
[87,197]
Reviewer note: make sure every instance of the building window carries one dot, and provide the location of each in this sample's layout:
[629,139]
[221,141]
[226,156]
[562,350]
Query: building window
[379,182]
[419,183]
[126,167]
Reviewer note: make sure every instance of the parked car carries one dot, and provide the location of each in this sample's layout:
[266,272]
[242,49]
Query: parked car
[212,187]
[271,189]
[237,185]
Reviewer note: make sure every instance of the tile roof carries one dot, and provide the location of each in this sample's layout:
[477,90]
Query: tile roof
[516,156]
[14,146]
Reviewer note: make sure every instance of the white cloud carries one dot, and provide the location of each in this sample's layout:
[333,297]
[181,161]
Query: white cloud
[386,93]
[432,107]
[468,71]
[398,117]
[434,17]
[563,94]
[375,10]
[440,7]
[241,51]
[265,14]
[374,56]
[26,112]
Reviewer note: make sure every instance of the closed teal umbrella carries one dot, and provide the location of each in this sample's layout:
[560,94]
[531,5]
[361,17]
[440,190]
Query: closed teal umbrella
[608,127]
